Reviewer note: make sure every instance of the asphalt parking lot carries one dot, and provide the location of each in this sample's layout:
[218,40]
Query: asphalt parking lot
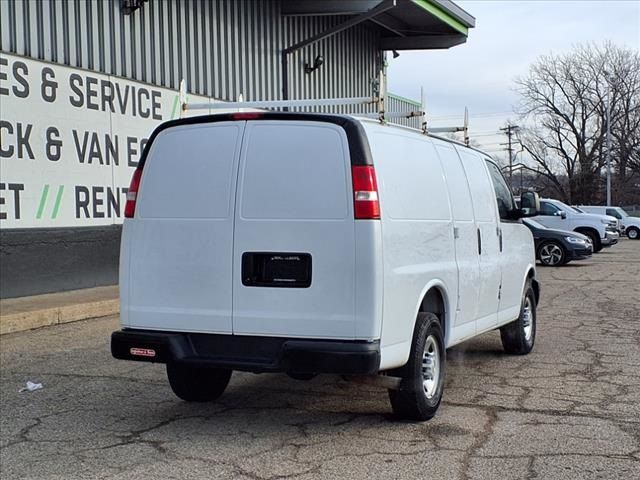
[569,410]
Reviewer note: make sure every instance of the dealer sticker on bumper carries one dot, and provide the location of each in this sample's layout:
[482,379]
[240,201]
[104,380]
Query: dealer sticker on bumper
[142,352]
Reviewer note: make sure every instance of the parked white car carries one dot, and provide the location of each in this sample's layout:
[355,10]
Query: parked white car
[311,243]
[601,229]
[629,225]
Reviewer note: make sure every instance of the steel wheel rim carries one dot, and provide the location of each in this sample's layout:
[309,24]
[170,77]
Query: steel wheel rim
[527,319]
[551,254]
[633,233]
[430,367]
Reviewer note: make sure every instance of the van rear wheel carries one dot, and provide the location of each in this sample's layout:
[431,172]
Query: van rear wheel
[422,382]
[197,384]
[519,336]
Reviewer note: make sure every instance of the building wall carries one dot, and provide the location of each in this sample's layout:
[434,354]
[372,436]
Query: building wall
[36,261]
[222,48]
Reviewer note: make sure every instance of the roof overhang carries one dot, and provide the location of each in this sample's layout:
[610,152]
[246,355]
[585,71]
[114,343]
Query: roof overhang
[406,25]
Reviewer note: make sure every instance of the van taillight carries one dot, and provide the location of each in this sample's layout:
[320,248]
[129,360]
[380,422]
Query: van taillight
[132,193]
[365,193]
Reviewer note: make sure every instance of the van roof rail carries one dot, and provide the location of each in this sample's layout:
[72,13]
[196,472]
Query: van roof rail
[280,103]
[378,101]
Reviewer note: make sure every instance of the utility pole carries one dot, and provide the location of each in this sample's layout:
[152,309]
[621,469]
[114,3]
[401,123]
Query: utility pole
[510,131]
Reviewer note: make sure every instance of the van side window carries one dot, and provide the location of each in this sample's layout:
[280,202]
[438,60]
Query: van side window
[503,194]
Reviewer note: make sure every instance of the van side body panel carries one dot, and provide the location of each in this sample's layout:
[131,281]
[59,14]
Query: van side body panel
[515,261]
[369,279]
[486,216]
[417,233]
[465,244]
[124,274]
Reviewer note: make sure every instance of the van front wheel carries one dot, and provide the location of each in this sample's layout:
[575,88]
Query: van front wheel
[197,384]
[519,336]
[422,382]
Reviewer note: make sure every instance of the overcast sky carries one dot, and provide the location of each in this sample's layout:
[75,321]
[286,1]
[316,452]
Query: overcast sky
[508,37]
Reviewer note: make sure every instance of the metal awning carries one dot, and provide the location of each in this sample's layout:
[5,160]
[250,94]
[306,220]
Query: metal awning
[405,24]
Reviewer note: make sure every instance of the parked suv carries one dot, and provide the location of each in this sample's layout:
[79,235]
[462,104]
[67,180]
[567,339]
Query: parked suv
[629,225]
[311,243]
[602,230]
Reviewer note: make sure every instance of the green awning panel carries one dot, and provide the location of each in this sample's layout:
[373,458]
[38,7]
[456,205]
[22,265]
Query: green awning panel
[440,13]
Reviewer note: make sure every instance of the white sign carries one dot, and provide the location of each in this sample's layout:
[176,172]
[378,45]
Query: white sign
[70,140]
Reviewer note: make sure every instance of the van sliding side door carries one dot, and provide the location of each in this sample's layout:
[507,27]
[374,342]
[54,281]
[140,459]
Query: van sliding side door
[465,241]
[488,237]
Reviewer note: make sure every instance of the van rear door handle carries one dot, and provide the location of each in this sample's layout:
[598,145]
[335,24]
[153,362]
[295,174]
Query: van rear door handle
[479,242]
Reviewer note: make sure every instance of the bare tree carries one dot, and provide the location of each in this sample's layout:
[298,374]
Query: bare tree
[563,106]
[625,124]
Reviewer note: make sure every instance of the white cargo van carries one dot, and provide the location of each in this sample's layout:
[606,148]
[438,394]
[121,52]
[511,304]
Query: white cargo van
[312,243]
[629,225]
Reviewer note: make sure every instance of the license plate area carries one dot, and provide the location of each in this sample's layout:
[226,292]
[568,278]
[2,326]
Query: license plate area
[276,269]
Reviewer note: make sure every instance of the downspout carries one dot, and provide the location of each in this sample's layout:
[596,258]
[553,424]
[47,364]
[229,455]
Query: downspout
[378,9]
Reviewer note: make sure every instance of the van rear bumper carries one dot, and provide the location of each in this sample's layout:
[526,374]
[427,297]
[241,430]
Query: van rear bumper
[250,354]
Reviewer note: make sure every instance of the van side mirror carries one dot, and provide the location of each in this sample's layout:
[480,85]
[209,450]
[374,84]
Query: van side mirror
[529,204]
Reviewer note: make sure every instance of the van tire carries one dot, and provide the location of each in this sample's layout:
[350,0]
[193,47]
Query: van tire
[197,384]
[519,336]
[411,401]
[633,233]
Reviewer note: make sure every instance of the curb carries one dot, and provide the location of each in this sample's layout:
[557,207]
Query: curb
[18,322]
[44,316]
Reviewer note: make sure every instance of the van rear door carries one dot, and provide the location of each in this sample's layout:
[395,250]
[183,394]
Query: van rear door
[294,248]
[176,267]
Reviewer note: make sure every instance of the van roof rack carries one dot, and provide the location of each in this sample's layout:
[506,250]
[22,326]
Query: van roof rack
[280,103]
[377,100]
